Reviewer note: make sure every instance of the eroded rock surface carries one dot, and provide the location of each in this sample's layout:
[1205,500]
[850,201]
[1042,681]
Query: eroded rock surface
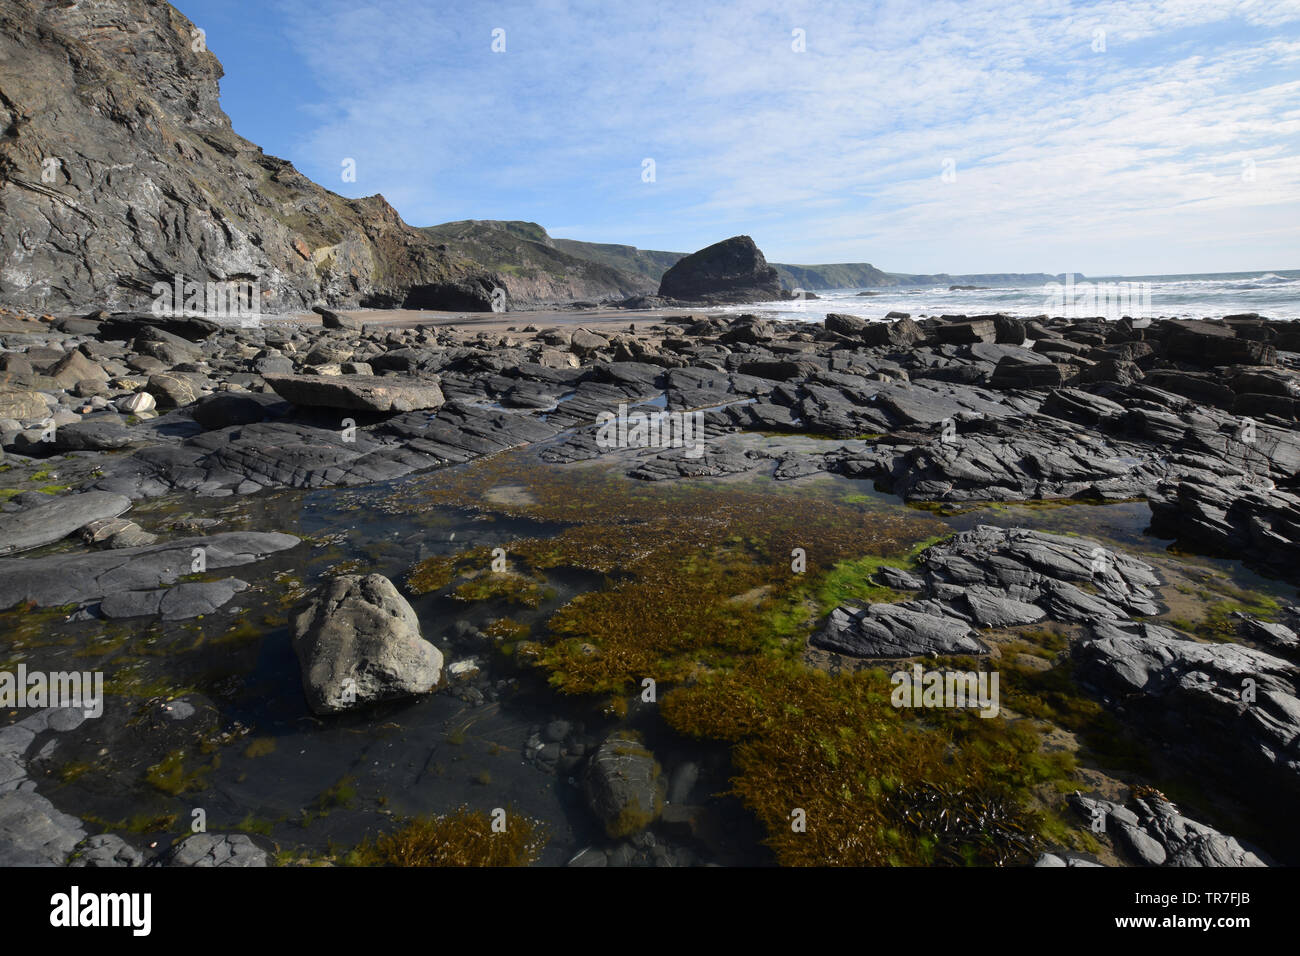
[358,642]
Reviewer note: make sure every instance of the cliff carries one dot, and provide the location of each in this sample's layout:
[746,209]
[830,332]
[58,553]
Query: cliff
[118,169]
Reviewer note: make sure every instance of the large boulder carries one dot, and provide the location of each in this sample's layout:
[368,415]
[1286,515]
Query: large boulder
[173,389]
[22,405]
[332,320]
[74,367]
[845,324]
[166,347]
[1210,344]
[904,332]
[125,326]
[1013,372]
[964,333]
[359,641]
[733,270]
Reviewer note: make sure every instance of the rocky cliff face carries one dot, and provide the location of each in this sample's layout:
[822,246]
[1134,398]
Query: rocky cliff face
[530,267]
[733,270]
[650,263]
[844,275]
[118,169]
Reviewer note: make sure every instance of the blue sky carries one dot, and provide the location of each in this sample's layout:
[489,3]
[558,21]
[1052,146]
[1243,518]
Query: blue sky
[1132,137]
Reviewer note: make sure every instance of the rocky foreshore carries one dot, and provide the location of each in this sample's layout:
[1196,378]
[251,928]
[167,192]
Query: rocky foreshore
[1197,418]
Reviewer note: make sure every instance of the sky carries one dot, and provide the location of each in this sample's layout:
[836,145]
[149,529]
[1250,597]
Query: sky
[1133,137]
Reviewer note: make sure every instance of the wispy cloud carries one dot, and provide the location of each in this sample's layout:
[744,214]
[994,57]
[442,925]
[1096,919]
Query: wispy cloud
[1118,137]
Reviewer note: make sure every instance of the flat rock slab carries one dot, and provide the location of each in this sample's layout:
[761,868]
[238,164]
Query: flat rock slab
[217,849]
[912,629]
[59,579]
[993,577]
[47,523]
[180,603]
[363,393]
[1038,568]
[33,832]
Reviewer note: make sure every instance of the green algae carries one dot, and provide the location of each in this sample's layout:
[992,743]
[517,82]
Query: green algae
[139,824]
[135,681]
[705,592]
[341,795]
[684,589]
[73,770]
[254,824]
[697,589]
[171,777]
[507,587]
[260,747]
[437,572]
[948,509]
[711,589]
[1053,696]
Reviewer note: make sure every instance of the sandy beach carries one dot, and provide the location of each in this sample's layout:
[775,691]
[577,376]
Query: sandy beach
[601,320]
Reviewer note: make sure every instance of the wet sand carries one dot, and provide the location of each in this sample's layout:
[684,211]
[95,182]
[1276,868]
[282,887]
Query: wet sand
[610,320]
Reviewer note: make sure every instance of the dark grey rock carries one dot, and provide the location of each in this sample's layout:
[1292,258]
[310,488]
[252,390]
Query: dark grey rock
[60,579]
[217,849]
[106,850]
[231,408]
[47,523]
[1234,705]
[623,786]
[731,270]
[33,832]
[1156,834]
[184,601]
[910,629]
[901,333]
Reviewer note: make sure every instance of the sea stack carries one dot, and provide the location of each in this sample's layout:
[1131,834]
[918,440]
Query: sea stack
[733,270]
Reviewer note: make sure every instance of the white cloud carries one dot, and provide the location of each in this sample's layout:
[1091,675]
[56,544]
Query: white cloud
[1133,155]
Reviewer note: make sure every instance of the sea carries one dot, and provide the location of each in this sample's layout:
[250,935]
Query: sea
[1273,295]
